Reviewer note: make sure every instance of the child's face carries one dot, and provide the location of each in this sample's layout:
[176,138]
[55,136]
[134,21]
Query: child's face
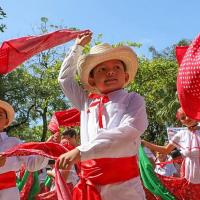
[3,119]
[185,120]
[161,157]
[109,76]
[70,140]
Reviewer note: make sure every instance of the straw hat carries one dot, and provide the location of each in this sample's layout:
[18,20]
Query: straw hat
[104,52]
[9,111]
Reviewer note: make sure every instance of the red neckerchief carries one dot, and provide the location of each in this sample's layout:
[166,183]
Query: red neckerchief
[100,102]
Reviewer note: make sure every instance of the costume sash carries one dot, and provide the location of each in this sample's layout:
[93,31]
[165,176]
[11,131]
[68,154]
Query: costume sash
[7,180]
[101,172]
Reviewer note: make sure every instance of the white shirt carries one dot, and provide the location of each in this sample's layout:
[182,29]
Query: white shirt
[149,153]
[31,163]
[124,121]
[189,144]
[166,170]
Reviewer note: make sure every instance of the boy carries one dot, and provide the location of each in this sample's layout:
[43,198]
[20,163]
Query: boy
[69,138]
[9,166]
[161,168]
[112,121]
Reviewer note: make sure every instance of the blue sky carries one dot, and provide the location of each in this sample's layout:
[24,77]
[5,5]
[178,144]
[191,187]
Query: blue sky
[150,22]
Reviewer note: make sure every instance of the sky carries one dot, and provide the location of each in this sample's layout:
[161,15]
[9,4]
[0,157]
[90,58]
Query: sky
[157,23]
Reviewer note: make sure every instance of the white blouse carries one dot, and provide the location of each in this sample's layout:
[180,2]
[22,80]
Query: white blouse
[31,163]
[189,144]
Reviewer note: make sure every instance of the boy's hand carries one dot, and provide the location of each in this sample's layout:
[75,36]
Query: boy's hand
[83,38]
[69,158]
[2,160]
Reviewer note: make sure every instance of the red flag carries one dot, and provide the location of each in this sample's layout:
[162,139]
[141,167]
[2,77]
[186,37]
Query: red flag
[180,52]
[15,52]
[64,118]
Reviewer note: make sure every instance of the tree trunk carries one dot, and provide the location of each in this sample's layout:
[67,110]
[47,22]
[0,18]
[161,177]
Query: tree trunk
[44,131]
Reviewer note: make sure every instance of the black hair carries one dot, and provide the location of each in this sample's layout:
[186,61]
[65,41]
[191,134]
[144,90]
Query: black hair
[175,153]
[69,132]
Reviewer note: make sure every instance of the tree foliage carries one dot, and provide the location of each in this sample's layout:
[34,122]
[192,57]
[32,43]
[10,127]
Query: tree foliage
[2,15]
[34,91]
[156,81]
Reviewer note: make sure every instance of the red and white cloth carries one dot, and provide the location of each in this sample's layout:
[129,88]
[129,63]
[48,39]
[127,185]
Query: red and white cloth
[31,163]
[14,52]
[188,79]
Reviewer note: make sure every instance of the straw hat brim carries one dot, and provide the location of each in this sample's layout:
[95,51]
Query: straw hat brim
[9,111]
[88,62]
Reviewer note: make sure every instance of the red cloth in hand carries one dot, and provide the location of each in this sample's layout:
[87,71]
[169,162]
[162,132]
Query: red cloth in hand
[47,149]
[14,52]
[64,118]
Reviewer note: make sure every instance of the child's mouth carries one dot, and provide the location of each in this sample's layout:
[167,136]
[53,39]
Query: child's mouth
[111,81]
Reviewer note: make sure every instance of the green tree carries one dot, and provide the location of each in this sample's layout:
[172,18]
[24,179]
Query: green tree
[34,91]
[156,81]
[2,15]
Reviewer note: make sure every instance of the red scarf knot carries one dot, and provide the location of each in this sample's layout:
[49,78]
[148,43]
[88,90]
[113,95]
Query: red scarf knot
[101,100]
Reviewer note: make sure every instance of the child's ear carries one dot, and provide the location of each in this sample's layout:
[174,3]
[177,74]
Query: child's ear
[91,81]
[6,124]
[126,76]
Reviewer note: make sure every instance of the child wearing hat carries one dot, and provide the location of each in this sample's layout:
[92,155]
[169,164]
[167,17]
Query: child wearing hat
[112,121]
[9,166]
[188,142]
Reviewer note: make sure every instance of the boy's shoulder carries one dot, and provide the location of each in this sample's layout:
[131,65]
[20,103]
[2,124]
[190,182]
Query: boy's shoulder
[135,95]
[13,140]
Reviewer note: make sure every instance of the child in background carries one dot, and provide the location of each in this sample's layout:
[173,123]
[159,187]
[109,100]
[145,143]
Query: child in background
[9,166]
[188,141]
[112,121]
[162,168]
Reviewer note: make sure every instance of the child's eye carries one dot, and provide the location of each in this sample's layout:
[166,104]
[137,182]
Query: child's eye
[117,67]
[102,69]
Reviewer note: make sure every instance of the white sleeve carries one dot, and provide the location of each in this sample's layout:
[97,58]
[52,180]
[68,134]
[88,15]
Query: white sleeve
[66,78]
[34,163]
[119,139]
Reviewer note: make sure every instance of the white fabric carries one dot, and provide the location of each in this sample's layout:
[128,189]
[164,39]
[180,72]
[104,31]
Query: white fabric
[31,163]
[166,170]
[73,177]
[124,121]
[149,153]
[189,144]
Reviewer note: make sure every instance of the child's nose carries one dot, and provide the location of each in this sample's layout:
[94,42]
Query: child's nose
[110,72]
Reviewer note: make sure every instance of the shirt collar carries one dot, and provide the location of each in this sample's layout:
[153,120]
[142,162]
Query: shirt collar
[116,93]
[3,136]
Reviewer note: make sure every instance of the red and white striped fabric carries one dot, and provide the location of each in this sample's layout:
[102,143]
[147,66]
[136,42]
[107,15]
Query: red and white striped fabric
[188,80]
